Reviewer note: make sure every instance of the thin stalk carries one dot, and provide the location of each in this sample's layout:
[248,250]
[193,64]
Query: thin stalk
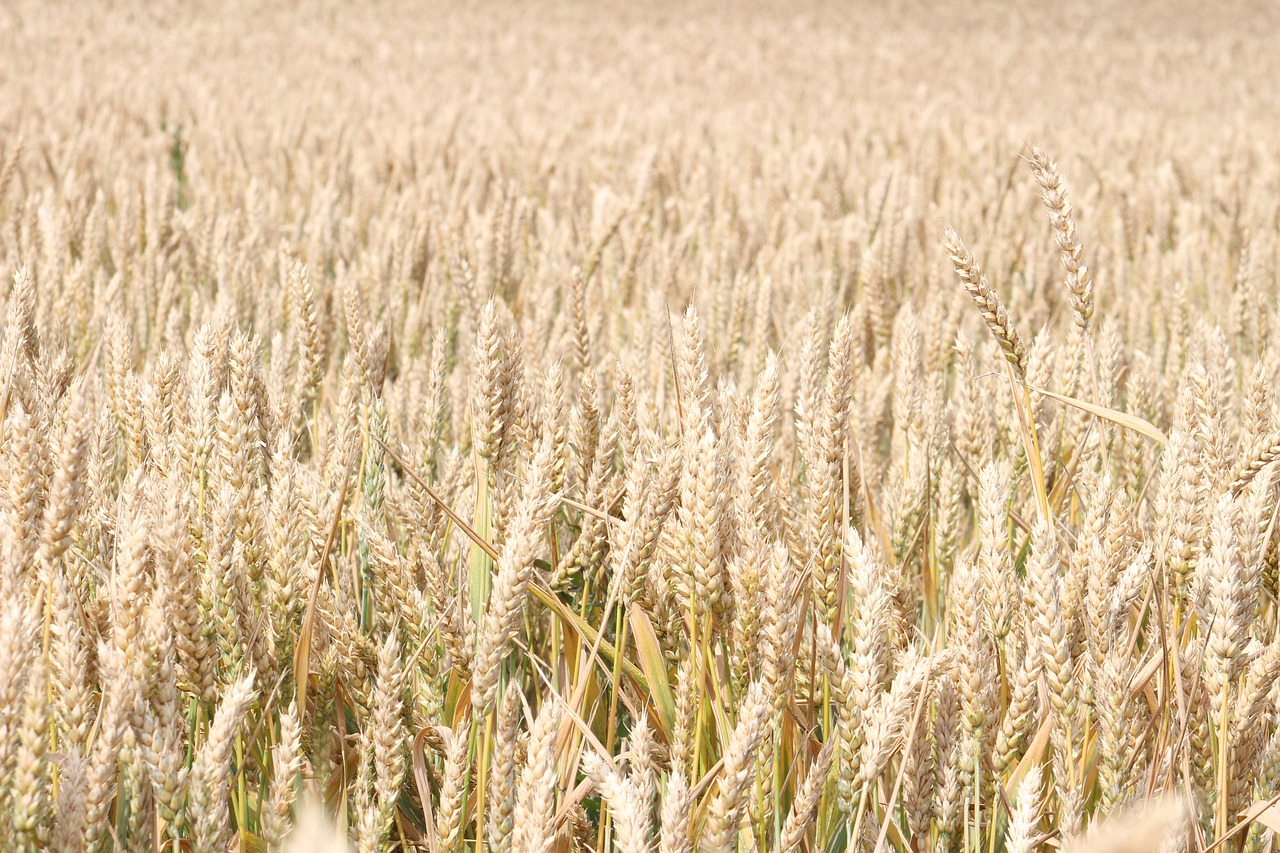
[1027,426]
[863,796]
[482,775]
[977,803]
[241,804]
[1220,816]
[611,727]
[1092,357]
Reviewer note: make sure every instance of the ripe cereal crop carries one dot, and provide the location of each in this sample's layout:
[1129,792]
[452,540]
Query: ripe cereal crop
[642,427]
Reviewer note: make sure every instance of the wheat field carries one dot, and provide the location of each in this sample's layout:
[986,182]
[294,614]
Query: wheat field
[569,427]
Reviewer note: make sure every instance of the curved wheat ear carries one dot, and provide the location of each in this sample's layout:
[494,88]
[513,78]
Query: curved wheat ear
[988,301]
[1266,452]
[1053,192]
